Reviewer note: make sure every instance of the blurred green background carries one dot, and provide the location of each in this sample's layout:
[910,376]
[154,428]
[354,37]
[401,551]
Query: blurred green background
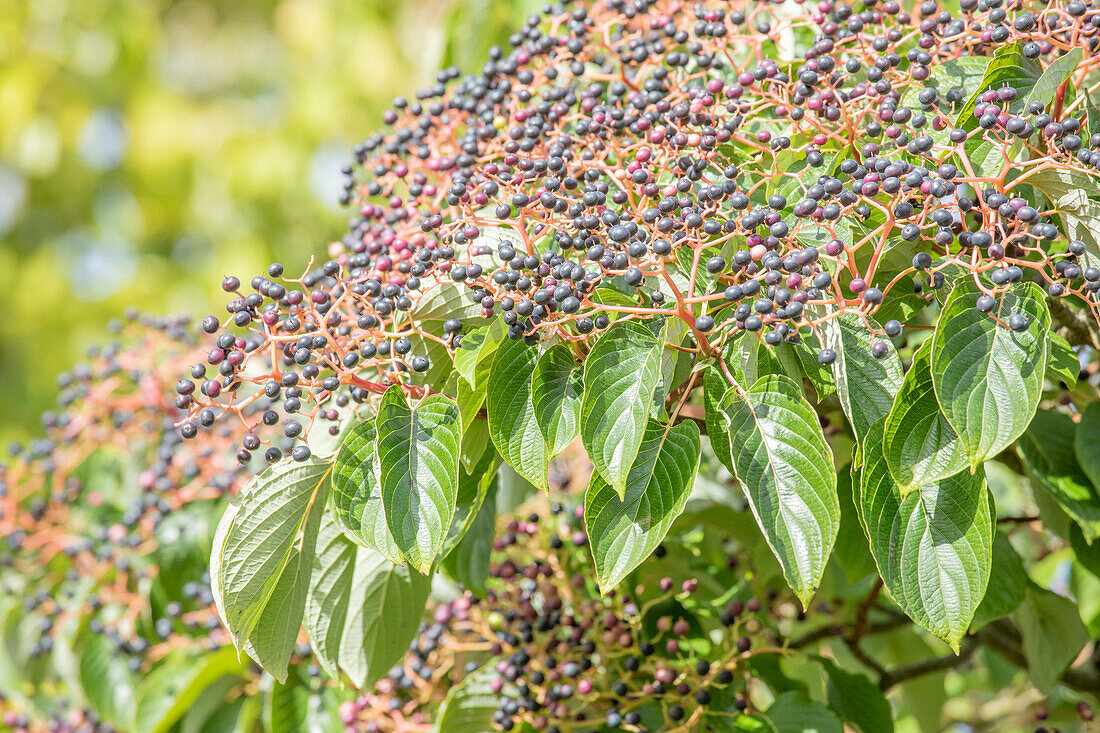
[149,147]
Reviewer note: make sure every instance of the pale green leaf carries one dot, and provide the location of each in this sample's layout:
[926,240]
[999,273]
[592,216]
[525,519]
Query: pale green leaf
[934,548]
[623,532]
[418,459]
[511,412]
[556,397]
[779,454]
[621,374]
[921,446]
[987,377]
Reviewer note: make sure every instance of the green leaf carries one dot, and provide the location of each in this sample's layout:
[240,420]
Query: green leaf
[474,357]
[621,375]
[1006,592]
[851,550]
[473,490]
[418,460]
[865,385]
[177,682]
[1088,555]
[1063,363]
[921,446]
[260,567]
[714,387]
[857,700]
[468,562]
[363,610]
[793,712]
[444,300]
[1086,443]
[556,397]
[293,707]
[623,532]
[1053,635]
[933,548]
[511,412]
[780,456]
[107,682]
[469,705]
[357,495]
[1057,73]
[1009,67]
[987,377]
[1048,452]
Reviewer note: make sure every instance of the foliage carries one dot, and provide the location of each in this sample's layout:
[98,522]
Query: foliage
[811,398]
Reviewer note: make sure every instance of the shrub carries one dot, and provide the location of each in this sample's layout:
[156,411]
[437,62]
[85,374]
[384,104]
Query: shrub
[831,268]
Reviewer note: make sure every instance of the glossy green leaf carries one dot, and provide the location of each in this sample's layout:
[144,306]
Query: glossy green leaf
[1053,635]
[260,566]
[363,610]
[624,531]
[785,467]
[511,412]
[865,385]
[934,548]
[921,446]
[987,377]
[1048,452]
[356,493]
[418,471]
[621,374]
[556,397]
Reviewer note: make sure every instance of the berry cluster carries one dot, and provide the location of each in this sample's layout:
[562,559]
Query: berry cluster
[642,158]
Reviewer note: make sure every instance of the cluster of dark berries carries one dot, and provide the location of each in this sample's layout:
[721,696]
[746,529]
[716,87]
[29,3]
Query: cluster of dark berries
[631,159]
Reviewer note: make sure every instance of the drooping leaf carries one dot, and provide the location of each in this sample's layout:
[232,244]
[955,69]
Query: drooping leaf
[987,377]
[511,412]
[793,712]
[107,681]
[934,548]
[418,471]
[363,610]
[1053,635]
[780,456]
[621,373]
[1048,451]
[856,699]
[865,385]
[851,550]
[921,446]
[1063,364]
[474,357]
[556,397]
[469,706]
[1009,582]
[260,566]
[177,682]
[1086,443]
[468,562]
[623,532]
[474,489]
[357,494]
